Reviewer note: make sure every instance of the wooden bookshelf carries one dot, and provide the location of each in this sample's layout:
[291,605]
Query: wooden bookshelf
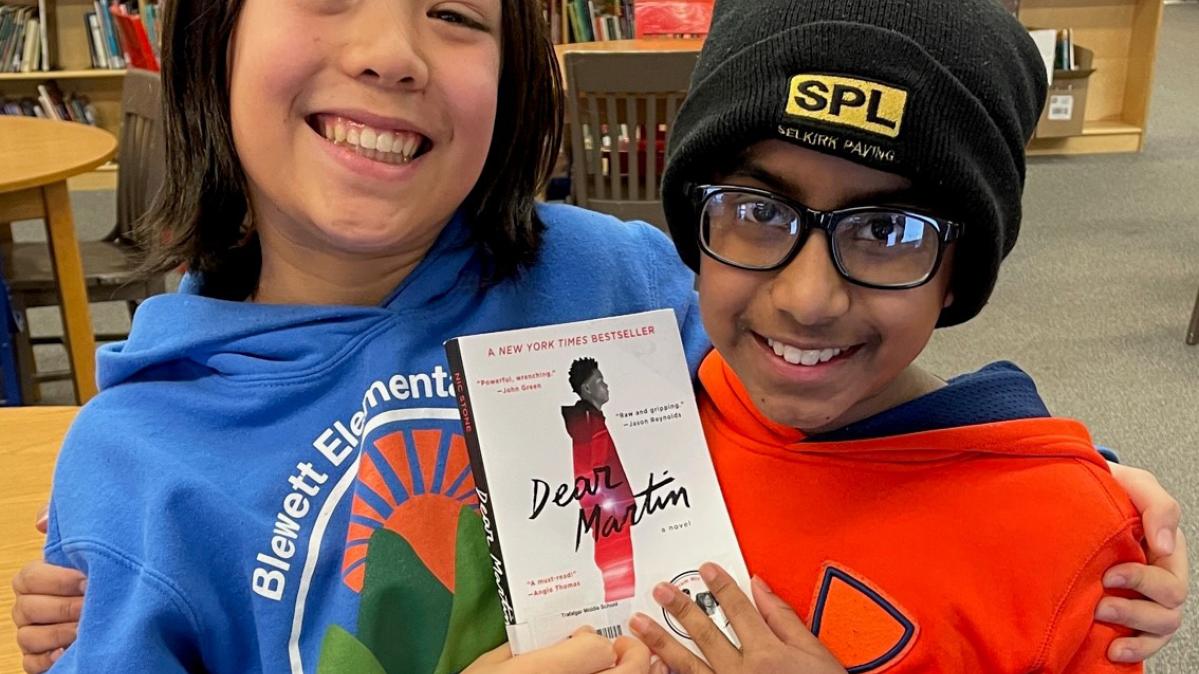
[43,75]
[71,67]
[1123,36]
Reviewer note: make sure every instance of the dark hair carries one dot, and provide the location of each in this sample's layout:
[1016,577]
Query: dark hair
[580,371]
[199,218]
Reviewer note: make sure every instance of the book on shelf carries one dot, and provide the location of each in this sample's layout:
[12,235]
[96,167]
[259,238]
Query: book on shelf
[113,55]
[135,43]
[51,103]
[593,476]
[20,39]
[120,37]
[592,20]
[681,18]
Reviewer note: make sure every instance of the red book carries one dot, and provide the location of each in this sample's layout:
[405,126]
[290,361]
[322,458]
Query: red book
[134,41]
[673,17]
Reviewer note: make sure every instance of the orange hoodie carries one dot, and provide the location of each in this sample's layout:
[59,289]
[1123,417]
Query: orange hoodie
[973,549]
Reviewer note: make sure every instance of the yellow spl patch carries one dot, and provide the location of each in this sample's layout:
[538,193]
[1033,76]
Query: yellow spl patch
[869,106]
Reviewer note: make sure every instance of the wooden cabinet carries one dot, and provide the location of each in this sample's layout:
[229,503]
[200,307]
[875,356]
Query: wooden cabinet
[1123,36]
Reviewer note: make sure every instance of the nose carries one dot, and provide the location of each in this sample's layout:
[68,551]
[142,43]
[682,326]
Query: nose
[809,289]
[384,48]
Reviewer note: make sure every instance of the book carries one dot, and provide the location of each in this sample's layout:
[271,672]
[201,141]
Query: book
[134,41]
[116,59]
[673,17]
[29,60]
[594,479]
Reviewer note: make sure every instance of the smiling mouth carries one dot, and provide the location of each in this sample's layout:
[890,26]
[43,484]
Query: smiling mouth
[387,146]
[794,355]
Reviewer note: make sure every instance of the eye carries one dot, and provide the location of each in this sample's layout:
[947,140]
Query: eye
[457,18]
[761,212]
[880,228]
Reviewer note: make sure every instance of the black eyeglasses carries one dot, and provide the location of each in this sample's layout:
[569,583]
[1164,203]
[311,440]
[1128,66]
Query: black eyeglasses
[872,246]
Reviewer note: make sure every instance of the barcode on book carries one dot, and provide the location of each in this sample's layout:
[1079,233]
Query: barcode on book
[611,631]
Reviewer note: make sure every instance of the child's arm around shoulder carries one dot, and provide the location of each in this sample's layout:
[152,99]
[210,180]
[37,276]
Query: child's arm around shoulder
[134,618]
[1076,641]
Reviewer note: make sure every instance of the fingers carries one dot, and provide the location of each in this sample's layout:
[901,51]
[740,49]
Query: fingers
[41,609]
[1160,513]
[707,636]
[42,522]
[1165,586]
[584,651]
[1140,615]
[747,622]
[780,617]
[42,578]
[673,655]
[45,638]
[40,662]
[1136,649]
[632,656]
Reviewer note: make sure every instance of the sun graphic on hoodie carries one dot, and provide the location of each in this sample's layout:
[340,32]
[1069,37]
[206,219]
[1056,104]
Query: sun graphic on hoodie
[413,481]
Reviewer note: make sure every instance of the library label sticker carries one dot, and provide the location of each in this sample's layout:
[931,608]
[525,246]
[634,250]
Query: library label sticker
[1061,108]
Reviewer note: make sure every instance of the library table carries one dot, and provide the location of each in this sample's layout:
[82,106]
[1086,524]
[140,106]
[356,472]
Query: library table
[36,158]
[29,442]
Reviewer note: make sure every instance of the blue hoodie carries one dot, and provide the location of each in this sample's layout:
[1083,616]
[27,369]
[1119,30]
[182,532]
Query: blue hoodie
[242,462]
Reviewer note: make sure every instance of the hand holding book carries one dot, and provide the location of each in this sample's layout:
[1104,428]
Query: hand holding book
[585,652]
[773,638]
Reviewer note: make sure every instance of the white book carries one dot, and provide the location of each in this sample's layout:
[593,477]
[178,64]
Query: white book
[100,51]
[594,479]
[32,43]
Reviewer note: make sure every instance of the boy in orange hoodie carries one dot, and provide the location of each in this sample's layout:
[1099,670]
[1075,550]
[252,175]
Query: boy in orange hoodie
[869,164]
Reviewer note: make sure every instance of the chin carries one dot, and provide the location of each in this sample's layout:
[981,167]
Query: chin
[806,415]
[361,236]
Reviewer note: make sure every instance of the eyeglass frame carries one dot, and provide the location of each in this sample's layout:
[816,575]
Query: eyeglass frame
[948,231]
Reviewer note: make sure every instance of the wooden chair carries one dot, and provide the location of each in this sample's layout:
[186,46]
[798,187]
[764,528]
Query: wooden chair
[10,326]
[1193,331]
[110,265]
[620,107]
[28,449]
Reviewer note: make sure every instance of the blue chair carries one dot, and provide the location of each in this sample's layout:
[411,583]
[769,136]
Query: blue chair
[10,325]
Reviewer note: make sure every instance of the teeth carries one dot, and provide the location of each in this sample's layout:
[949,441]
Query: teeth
[368,139]
[390,147]
[805,357]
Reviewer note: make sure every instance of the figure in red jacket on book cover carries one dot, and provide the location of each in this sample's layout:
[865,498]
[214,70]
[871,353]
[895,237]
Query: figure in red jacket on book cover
[598,464]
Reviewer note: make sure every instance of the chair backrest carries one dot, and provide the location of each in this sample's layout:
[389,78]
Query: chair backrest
[141,153]
[621,107]
[10,380]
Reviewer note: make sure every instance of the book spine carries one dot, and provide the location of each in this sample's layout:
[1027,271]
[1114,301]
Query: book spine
[471,434]
[99,53]
[115,60]
[29,58]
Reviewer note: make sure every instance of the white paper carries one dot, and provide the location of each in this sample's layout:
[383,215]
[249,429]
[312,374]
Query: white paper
[1046,40]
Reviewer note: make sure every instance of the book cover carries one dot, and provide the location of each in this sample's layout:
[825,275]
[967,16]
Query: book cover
[594,479]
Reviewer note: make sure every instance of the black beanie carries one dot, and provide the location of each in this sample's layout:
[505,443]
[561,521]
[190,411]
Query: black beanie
[943,92]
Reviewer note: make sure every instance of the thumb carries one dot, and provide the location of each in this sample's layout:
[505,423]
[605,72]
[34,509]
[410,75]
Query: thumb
[780,617]
[43,518]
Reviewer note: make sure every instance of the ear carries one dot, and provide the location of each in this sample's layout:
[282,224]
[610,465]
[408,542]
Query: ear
[948,300]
